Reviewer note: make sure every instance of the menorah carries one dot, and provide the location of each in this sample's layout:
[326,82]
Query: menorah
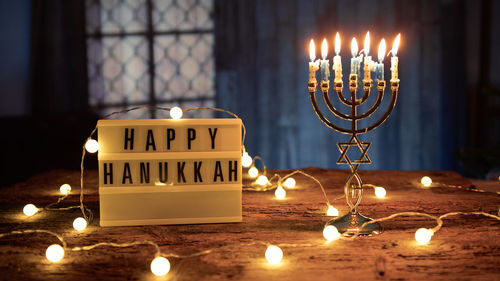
[353,222]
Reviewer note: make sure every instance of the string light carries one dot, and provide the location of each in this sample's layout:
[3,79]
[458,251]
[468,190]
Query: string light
[92,146]
[280,193]
[289,183]
[332,211]
[262,180]
[30,210]
[274,254]
[65,189]
[331,233]
[54,253]
[79,224]
[176,113]
[253,172]
[380,192]
[246,160]
[426,181]
[160,266]
[423,236]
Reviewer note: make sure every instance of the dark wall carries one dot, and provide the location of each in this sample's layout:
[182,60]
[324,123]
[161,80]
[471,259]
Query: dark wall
[14,57]
[447,108]
[262,71]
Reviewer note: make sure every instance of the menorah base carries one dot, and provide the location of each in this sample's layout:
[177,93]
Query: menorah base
[351,223]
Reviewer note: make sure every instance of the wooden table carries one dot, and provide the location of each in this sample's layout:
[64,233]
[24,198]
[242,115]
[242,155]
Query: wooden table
[466,248]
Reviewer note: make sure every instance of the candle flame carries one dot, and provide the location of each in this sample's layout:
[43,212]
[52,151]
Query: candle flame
[354,47]
[312,51]
[381,51]
[366,46]
[337,44]
[395,45]
[324,49]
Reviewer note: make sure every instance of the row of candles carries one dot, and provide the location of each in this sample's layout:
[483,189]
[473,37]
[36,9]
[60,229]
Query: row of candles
[368,64]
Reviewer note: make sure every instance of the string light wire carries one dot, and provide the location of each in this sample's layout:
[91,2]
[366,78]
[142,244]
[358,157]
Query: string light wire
[278,178]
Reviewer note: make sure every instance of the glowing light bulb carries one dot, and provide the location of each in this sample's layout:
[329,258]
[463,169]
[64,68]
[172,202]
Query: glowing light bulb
[79,224]
[262,180]
[426,181]
[246,160]
[65,189]
[176,113]
[253,172]
[280,193]
[289,183]
[274,254]
[380,192]
[332,211]
[30,210]
[160,266]
[54,253]
[423,235]
[92,146]
[331,233]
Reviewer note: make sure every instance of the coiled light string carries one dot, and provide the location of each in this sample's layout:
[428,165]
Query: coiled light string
[274,254]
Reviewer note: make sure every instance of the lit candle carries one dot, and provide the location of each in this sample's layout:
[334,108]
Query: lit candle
[337,63]
[379,67]
[313,65]
[367,63]
[325,64]
[355,60]
[394,59]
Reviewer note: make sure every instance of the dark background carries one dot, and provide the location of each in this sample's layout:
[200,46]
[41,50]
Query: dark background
[447,116]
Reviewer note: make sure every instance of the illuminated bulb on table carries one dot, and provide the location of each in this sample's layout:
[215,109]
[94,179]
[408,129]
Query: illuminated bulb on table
[253,172]
[423,235]
[92,146]
[54,253]
[246,160]
[380,192]
[280,193]
[30,210]
[176,113]
[79,224]
[274,254]
[426,181]
[262,180]
[331,233]
[332,211]
[65,189]
[289,183]
[160,266]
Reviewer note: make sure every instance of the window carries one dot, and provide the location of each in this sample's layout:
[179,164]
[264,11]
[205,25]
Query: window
[150,52]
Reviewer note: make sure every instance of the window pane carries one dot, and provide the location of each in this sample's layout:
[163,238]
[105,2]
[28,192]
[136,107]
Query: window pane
[111,16]
[118,70]
[182,15]
[184,66]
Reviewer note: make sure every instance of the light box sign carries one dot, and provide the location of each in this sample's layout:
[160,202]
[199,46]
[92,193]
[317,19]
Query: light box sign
[164,171]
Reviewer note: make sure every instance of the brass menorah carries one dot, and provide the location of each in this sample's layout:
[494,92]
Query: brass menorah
[351,222]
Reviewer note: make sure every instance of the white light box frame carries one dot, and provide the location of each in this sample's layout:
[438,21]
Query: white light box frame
[164,171]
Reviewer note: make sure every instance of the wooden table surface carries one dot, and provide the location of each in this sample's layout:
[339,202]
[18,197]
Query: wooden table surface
[466,248]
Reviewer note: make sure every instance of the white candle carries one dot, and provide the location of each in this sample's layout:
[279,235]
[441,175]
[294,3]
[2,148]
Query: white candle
[337,62]
[355,60]
[325,64]
[367,63]
[313,65]
[394,59]
[379,67]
